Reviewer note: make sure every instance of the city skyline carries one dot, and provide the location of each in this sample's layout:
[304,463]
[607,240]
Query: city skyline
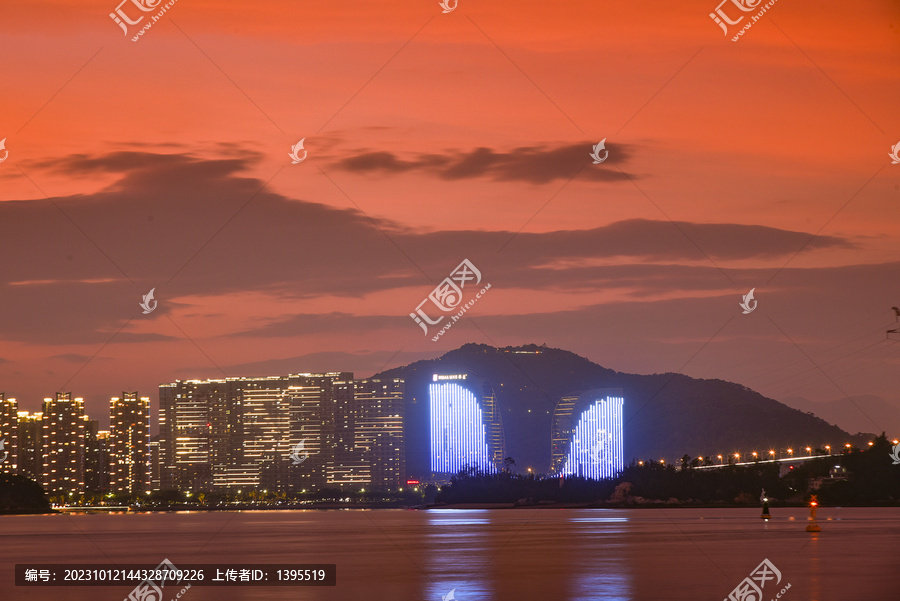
[255,433]
[434,138]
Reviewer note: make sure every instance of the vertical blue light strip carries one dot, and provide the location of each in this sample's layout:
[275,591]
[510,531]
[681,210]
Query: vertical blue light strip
[458,431]
[596,450]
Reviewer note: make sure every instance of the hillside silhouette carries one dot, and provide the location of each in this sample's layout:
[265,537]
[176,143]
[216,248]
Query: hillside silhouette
[665,415]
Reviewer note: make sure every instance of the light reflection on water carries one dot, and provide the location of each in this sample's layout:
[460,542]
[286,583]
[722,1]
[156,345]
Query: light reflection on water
[457,517]
[520,554]
[457,560]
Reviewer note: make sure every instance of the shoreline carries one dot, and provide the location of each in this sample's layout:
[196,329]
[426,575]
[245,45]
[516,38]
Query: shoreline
[454,506]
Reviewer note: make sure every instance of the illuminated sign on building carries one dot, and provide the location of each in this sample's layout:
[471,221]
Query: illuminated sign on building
[595,449]
[459,434]
[442,377]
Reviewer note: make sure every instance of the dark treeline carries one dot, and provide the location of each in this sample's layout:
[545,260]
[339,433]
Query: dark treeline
[18,494]
[871,479]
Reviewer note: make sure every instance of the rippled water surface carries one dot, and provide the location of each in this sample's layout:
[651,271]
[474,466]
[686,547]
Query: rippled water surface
[511,554]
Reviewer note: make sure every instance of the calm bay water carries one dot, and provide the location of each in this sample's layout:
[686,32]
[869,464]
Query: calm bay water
[521,554]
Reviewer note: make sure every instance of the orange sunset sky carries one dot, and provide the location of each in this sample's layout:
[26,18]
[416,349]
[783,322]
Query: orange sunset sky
[433,137]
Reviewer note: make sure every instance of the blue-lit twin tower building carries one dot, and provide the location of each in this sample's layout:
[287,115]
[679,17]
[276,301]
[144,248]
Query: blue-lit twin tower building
[466,430]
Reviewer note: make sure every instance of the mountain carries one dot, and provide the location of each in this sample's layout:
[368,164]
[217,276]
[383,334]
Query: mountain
[665,415]
[863,413]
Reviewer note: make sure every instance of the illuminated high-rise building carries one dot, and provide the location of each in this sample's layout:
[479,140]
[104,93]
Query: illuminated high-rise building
[561,429]
[154,465]
[62,448]
[586,435]
[379,434]
[246,432]
[369,449]
[9,435]
[30,445]
[310,448]
[347,468]
[465,426]
[97,466]
[129,443]
[184,433]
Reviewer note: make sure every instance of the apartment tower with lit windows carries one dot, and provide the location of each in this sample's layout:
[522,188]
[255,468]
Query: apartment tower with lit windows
[129,444]
[62,444]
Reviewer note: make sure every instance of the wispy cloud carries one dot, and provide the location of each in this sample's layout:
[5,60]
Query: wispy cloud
[532,164]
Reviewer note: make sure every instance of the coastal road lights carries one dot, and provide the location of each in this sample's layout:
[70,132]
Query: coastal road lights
[720,459]
[809,451]
[737,456]
[772,453]
[755,454]
[828,448]
[790,452]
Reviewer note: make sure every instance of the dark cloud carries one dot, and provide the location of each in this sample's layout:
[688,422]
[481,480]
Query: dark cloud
[533,164]
[186,226]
